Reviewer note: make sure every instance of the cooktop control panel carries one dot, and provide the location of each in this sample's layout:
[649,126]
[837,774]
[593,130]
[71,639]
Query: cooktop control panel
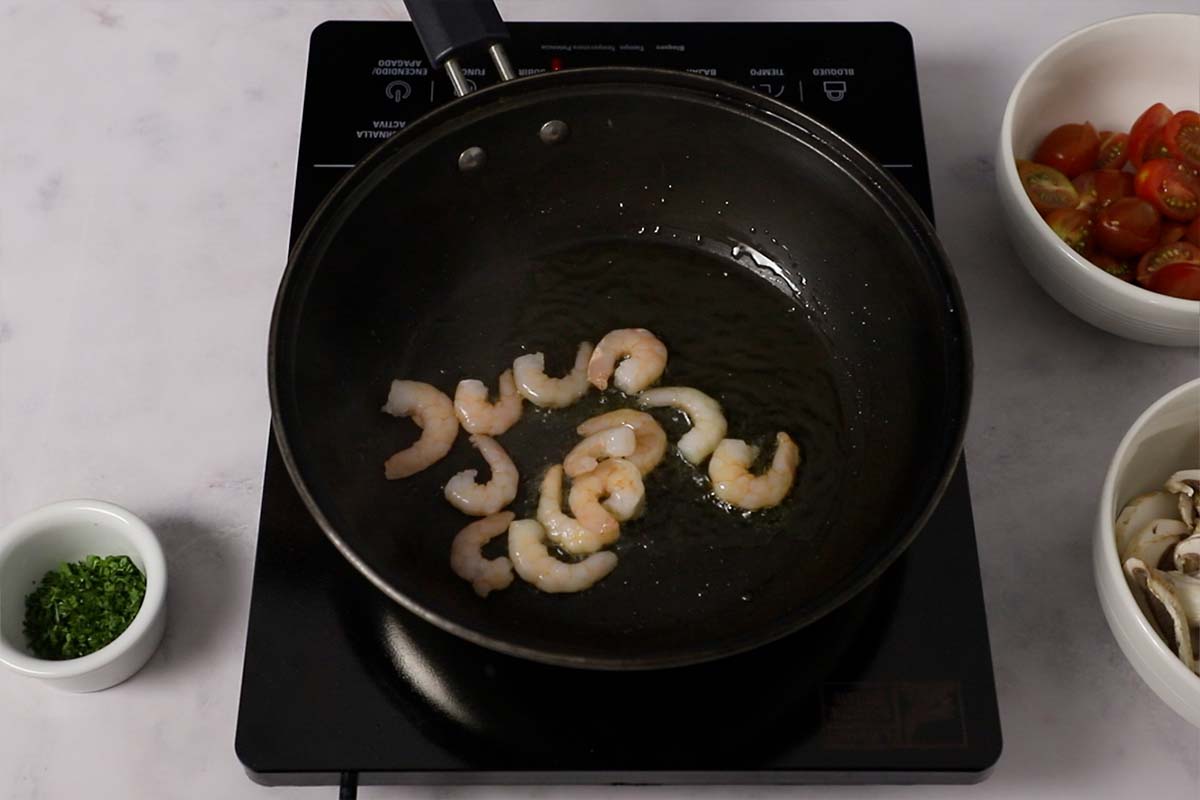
[372,79]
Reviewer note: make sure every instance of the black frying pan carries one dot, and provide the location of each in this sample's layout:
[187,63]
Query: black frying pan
[787,273]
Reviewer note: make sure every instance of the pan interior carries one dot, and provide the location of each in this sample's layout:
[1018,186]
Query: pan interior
[780,282]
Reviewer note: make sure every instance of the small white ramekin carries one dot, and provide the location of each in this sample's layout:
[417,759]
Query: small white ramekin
[37,543]
[1163,440]
[1107,74]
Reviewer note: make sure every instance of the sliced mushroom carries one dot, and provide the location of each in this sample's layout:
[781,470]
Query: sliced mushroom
[1167,609]
[1187,509]
[1185,481]
[1187,555]
[1187,589]
[1140,512]
[1143,604]
[1151,542]
[1186,484]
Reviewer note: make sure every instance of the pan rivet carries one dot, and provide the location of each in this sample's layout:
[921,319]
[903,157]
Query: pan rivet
[554,131]
[471,159]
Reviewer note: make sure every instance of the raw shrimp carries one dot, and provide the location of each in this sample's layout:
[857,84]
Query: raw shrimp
[533,562]
[615,442]
[478,415]
[735,484]
[566,531]
[708,421]
[645,359]
[530,374]
[466,558]
[619,482]
[433,413]
[651,439]
[481,499]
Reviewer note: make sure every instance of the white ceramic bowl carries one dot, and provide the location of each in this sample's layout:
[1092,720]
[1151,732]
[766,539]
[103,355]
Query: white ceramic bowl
[1108,73]
[1163,440]
[38,542]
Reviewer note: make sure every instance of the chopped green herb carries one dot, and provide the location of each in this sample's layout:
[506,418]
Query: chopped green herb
[80,607]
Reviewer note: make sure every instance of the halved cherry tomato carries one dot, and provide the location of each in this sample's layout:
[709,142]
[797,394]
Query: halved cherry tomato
[1171,186]
[1182,136]
[1118,269]
[1151,120]
[1156,147]
[1114,150]
[1099,188]
[1172,232]
[1193,232]
[1179,252]
[1047,188]
[1177,280]
[1129,227]
[1072,226]
[1070,149]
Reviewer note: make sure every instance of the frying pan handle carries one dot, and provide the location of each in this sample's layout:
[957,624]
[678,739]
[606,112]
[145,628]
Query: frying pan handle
[449,27]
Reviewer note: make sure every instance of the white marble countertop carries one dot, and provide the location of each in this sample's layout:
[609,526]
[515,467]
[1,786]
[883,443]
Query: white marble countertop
[147,153]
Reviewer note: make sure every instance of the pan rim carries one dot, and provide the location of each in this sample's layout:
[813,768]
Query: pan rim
[855,162]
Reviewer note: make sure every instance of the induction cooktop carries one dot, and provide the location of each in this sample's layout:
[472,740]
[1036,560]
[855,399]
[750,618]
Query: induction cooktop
[342,686]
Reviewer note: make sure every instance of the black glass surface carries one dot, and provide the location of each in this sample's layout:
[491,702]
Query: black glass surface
[897,686]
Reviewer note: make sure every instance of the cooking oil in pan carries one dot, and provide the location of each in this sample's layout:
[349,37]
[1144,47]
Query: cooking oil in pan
[735,328]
